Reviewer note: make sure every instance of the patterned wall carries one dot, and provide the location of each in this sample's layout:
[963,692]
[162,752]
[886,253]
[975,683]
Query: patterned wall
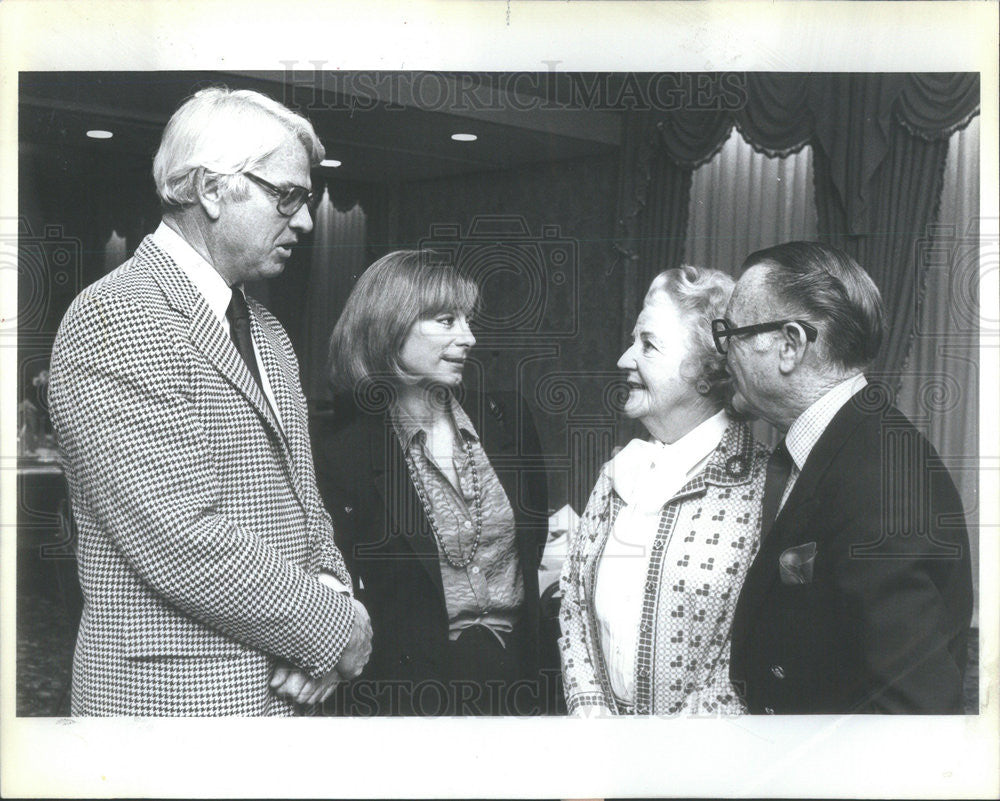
[538,241]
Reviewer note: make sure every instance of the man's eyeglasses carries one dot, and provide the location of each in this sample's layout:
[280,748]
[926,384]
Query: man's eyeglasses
[721,331]
[289,200]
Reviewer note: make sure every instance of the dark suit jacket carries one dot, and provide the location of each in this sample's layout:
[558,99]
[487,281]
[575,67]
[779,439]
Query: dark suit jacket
[383,532]
[882,627]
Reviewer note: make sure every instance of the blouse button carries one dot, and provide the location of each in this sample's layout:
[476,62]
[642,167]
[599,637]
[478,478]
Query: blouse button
[475,570]
[467,524]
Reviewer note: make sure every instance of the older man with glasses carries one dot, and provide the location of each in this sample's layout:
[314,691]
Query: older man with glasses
[211,581]
[860,596]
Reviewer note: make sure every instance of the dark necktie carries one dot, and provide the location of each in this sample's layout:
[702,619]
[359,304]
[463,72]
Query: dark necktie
[238,315]
[779,468]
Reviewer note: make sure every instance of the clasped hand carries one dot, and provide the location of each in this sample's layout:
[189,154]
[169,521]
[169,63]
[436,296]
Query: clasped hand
[296,685]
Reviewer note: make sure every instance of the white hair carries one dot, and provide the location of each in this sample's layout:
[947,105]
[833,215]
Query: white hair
[700,295]
[226,132]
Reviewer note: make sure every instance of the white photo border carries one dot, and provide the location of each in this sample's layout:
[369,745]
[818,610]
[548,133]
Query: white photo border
[746,757]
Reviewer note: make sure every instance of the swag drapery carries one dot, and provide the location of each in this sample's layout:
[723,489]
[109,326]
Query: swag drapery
[742,201]
[879,147]
[373,198]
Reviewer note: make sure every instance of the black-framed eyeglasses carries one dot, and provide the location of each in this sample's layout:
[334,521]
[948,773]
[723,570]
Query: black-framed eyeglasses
[722,331]
[289,200]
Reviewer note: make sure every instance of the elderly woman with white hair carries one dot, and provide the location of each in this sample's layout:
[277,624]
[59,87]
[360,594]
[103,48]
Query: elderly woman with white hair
[671,527]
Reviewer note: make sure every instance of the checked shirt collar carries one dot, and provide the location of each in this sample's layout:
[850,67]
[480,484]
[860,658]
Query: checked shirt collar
[809,426]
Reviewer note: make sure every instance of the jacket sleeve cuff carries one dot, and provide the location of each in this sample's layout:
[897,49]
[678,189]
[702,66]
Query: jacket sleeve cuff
[330,560]
[342,625]
[334,583]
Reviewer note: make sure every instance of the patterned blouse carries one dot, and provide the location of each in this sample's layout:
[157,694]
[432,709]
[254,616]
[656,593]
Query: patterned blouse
[489,590]
[706,539]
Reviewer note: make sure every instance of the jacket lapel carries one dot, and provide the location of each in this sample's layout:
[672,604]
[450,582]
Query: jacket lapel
[729,465]
[280,375]
[794,518]
[405,519]
[207,334]
[826,449]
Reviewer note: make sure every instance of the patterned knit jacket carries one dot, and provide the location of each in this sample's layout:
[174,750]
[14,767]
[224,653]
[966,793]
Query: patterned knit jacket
[707,537]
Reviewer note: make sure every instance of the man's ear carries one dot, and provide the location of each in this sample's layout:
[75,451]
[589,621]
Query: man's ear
[209,193]
[791,347]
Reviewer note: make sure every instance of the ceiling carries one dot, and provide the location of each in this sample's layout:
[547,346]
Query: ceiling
[382,126]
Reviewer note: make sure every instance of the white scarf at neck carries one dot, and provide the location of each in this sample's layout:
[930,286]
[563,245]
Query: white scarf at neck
[648,474]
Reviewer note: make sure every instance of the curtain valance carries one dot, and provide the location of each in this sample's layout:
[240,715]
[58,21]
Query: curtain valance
[879,143]
[849,116]
[345,195]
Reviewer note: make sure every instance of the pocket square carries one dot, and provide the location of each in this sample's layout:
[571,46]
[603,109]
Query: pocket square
[796,564]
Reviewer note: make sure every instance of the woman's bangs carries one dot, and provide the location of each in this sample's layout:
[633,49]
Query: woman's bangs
[446,290]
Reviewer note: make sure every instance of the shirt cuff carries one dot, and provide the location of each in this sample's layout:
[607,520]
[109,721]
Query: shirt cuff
[334,583]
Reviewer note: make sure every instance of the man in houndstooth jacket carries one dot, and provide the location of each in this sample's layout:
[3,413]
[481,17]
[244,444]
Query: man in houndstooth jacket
[211,581]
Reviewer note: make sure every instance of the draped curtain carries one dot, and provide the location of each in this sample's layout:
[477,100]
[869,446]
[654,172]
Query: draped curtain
[742,201]
[377,200]
[940,381]
[879,144]
[339,256]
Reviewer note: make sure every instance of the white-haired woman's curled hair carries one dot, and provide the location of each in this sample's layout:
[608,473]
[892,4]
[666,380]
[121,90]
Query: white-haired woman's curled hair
[701,295]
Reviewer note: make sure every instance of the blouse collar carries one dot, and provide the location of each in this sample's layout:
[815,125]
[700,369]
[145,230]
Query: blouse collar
[648,473]
[407,427]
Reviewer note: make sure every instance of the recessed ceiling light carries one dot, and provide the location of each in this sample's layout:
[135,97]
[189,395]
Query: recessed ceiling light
[463,137]
[99,134]
[329,163]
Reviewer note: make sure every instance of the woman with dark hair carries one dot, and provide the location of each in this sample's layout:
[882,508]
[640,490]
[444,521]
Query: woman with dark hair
[438,500]
[656,565]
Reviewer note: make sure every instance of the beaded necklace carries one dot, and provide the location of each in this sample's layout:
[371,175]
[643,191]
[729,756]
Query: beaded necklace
[477,517]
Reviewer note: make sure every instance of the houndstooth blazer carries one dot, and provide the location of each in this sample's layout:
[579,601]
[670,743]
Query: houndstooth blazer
[200,526]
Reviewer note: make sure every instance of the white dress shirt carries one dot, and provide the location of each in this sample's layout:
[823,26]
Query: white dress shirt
[213,288]
[645,475]
[809,426]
